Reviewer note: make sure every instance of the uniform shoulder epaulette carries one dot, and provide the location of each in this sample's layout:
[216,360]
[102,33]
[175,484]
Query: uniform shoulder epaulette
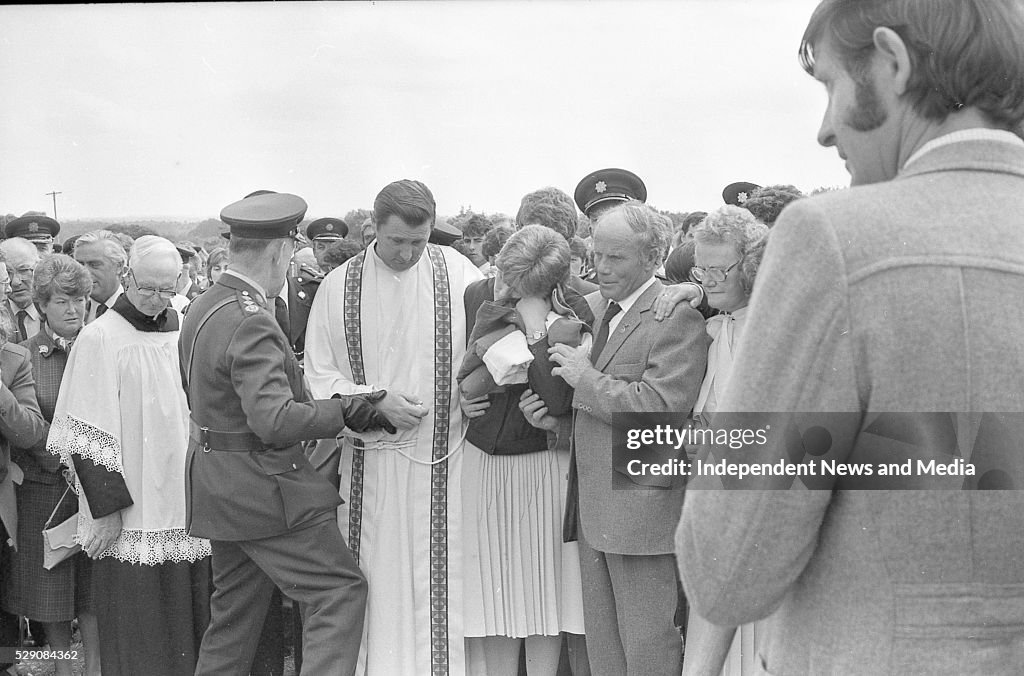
[245,299]
[308,275]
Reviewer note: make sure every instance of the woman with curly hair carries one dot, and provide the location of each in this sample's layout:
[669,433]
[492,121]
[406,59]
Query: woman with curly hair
[729,244]
[768,202]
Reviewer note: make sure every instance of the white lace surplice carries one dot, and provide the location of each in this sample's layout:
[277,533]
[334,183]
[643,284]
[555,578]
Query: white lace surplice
[121,405]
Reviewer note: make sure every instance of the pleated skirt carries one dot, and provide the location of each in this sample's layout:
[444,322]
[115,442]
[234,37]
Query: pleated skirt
[520,578]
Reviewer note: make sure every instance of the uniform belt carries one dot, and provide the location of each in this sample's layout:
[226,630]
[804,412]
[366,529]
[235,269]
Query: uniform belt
[212,440]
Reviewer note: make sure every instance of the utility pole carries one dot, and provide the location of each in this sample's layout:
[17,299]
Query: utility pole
[54,196]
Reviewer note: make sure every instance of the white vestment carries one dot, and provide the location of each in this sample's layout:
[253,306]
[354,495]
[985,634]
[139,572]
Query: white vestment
[121,405]
[402,511]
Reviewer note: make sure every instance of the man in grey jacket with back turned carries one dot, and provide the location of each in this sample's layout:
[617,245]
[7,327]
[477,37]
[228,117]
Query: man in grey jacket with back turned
[902,294]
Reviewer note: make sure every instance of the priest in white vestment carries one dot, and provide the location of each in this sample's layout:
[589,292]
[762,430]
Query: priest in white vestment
[121,424]
[393,318]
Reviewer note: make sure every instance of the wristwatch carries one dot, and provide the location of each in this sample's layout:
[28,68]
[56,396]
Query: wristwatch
[537,336]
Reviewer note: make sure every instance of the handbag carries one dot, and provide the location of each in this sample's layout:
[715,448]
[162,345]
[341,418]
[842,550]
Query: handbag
[59,541]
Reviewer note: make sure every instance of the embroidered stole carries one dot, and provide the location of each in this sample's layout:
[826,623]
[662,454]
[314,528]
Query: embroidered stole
[439,470]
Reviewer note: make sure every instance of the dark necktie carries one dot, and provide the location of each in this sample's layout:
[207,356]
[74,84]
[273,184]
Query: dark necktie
[602,333]
[21,324]
[100,309]
[281,314]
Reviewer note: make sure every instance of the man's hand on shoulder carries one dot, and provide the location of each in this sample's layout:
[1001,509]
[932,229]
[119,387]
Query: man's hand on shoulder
[671,296]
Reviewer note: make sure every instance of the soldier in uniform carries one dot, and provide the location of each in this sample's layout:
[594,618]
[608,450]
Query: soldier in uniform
[36,228]
[322,233]
[249,488]
[302,289]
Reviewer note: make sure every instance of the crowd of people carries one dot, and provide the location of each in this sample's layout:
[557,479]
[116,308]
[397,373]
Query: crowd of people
[409,429]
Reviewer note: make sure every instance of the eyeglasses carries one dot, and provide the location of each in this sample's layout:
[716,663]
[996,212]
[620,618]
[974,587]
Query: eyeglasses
[715,275]
[166,294]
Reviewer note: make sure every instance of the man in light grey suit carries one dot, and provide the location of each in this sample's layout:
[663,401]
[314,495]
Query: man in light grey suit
[902,294]
[636,365]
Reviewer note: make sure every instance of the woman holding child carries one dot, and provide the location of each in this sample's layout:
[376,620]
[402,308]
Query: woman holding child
[522,584]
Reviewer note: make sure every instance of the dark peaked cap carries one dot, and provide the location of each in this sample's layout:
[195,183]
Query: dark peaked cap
[444,233]
[32,227]
[269,215]
[327,229]
[737,193]
[608,185]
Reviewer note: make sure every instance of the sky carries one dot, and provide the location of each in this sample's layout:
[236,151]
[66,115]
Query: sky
[176,110]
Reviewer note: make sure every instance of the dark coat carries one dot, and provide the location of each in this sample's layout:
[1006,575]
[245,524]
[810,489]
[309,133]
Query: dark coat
[245,379]
[503,429]
[48,363]
[301,290]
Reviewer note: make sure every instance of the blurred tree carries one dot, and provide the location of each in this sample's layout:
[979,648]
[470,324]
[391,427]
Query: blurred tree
[354,219]
[208,230]
[677,218]
[133,230]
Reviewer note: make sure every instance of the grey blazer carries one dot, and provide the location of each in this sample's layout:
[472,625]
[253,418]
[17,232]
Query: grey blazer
[21,424]
[900,296]
[646,366]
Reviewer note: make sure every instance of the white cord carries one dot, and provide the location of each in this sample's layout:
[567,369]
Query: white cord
[397,446]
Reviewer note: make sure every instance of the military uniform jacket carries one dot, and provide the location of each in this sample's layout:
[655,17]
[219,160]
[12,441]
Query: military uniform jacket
[301,290]
[245,379]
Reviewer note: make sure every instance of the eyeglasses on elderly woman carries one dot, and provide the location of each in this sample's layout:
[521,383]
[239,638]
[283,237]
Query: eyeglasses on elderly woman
[712,274]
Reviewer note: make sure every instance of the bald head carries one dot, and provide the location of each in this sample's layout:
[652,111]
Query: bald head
[153,269]
[152,254]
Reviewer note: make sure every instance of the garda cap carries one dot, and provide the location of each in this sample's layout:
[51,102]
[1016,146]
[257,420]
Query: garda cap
[269,215]
[33,227]
[609,185]
[737,193]
[327,229]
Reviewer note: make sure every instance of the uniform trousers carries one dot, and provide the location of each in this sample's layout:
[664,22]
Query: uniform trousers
[628,607]
[311,565]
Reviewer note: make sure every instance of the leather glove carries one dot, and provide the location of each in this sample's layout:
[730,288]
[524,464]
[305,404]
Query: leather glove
[360,413]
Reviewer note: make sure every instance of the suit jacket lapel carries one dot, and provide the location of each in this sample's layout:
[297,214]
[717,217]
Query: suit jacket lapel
[630,320]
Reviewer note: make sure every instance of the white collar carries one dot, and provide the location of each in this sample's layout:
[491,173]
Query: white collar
[113,297]
[29,309]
